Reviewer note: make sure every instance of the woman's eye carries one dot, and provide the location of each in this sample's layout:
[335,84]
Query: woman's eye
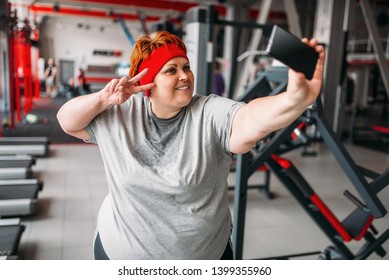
[171,71]
[186,68]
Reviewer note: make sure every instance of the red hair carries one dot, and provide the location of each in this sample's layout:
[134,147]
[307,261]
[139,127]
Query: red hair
[146,45]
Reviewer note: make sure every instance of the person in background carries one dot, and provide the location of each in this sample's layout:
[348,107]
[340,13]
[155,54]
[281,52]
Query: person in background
[82,86]
[167,153]
[218,80]
[50,75]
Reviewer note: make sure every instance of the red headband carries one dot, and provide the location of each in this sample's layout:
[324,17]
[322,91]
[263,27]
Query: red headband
[156,60]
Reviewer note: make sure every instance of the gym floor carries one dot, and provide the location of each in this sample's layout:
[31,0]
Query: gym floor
[74,187]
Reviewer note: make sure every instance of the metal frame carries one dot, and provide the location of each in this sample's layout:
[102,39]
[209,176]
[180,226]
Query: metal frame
[356,174]
[372,243]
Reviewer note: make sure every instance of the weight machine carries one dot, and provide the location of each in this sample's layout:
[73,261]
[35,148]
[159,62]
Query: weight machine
[356,226]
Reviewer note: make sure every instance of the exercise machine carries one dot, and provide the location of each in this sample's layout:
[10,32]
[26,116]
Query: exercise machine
[201,23]
[9,173]
[18,207]
[261,87]
[264,187]
[19,197]
[15,161]
[11,231]
[38,150]
[20,188]
[18,166]
[34,146]
[357,226]
[359,176]
[24,140]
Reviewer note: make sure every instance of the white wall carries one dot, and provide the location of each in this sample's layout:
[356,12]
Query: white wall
[61,38]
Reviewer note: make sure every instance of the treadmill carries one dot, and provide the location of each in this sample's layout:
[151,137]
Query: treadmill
[24,140]
[17,161]
[10,173]
[10,234]
[19,197]
[18,207]
[34,146]
[8,258]
[38,150]
[20,188]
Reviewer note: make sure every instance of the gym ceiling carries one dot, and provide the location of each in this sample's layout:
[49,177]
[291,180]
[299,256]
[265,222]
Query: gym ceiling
[134,10]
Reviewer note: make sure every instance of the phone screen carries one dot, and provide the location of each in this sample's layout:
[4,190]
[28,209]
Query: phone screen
[290,50]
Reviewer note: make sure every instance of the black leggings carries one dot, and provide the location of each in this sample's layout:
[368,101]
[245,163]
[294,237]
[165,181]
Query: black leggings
[99,250]
[228,254]
[101,255]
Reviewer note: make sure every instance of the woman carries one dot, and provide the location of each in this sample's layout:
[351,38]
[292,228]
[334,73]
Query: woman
[218,80]
[50,77]
[167,155]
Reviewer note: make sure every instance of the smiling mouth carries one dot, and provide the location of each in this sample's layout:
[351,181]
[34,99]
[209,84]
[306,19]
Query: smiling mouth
[183,87]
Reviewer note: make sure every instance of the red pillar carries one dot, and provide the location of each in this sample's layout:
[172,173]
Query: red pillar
[12,63]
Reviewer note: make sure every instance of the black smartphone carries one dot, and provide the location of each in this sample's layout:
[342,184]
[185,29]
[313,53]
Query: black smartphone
[290,50]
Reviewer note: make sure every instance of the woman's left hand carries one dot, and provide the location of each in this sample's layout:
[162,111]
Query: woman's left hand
[304,90]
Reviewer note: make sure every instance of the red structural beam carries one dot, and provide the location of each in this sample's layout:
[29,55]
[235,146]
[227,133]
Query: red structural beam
[88,13]
[141,4]
[173,5]
[99,80]
[149,4]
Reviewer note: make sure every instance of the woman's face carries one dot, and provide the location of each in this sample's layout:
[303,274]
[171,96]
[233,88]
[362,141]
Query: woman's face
[174,88]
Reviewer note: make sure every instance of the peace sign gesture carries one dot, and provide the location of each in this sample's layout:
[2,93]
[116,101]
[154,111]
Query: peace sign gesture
[117,91]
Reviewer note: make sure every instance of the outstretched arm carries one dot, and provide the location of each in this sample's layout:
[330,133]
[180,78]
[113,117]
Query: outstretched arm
[264,115]
[76,114]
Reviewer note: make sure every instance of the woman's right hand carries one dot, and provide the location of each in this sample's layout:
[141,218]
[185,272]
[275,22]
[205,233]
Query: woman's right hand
[117,91]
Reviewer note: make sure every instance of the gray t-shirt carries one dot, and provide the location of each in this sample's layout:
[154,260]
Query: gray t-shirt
[167,179]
